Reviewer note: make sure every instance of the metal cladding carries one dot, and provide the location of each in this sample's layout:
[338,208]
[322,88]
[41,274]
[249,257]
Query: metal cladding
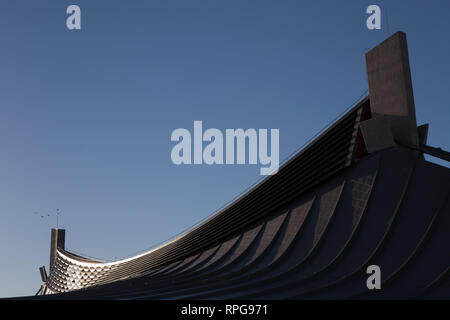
[361,194]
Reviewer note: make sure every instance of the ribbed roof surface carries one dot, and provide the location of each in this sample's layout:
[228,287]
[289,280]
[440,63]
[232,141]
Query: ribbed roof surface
[308,232]
[391,209]
[325,156]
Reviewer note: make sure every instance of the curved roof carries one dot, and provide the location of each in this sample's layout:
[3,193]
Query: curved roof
[310,231]
[329,153]
[391,209]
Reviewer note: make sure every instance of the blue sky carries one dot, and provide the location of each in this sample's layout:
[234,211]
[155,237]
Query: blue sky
[86,116]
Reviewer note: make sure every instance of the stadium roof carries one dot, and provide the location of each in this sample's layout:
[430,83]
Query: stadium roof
[360,194]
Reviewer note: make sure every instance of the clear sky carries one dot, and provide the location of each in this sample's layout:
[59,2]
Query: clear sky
[86,116]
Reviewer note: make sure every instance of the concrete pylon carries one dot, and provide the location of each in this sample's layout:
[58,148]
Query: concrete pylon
[390,88]
[57,240]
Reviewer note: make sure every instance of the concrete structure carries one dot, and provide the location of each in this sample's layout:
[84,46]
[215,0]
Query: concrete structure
[390,88]
[57,242]
[360,194]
